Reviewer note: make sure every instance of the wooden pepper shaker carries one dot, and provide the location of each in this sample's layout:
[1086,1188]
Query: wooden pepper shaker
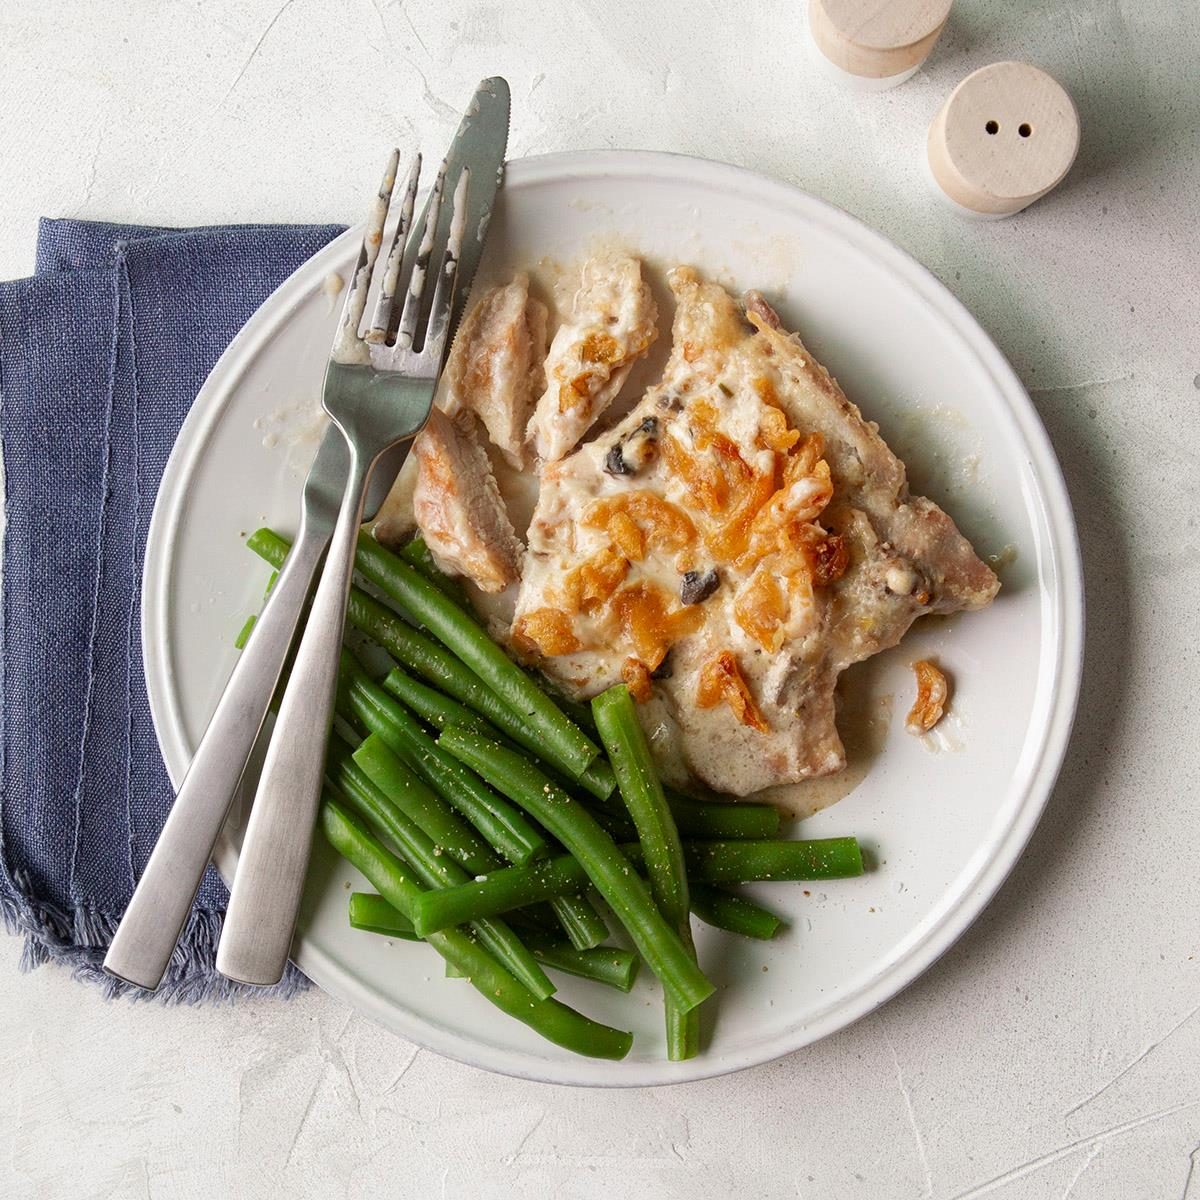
[1005,137]
[872,45]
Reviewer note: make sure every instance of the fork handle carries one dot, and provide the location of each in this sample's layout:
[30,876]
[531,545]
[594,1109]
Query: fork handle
[145,939]
[267,888]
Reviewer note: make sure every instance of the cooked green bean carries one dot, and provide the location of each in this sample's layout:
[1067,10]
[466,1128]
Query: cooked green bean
[428,811]
[583,925]
[462,634]
[373,914]
[498,892]
[724,910]
[380,623]
[637,778]
[707,862]
[605,964]
[598,778]
[502,825]
[554,1021]
[432,868]
[576,710]
[607,868]
[447,673]
[432,706]
[742,862]
[715,819]
[611,965]
[618,826]
[385,718]
[418,556]
[725,820]
[239,642]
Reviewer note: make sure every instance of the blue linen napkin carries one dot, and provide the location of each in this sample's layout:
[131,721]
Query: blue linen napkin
[102,352]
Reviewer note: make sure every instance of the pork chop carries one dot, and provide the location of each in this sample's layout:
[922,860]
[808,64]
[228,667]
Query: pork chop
[458,507]
[495,369]
[731,546]
[611,326]
[497,365]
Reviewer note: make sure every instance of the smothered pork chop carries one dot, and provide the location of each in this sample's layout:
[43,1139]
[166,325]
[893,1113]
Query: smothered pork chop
[732,545]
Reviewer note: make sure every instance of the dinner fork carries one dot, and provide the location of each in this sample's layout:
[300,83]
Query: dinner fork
[377,393]
[145,939]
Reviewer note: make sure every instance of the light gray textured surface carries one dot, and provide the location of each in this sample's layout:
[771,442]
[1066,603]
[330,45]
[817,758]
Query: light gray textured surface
[1056,1051]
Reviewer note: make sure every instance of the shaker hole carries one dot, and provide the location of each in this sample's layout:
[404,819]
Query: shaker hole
[1025,129]
[992,127]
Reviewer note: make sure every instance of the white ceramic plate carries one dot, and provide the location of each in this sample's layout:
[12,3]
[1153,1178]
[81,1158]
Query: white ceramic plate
[946,822]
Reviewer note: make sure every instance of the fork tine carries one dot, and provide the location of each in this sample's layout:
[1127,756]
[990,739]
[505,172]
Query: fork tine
[411,313]
[378,332]
[356,297]
[442,307]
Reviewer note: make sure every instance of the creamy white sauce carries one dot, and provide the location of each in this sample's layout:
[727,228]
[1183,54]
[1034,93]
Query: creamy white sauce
[294,430]
[332,286]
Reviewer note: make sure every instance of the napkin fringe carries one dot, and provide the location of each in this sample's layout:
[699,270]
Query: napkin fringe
[79,937]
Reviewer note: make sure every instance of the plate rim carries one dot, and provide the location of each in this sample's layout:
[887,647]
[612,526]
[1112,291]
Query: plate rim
[1065,627]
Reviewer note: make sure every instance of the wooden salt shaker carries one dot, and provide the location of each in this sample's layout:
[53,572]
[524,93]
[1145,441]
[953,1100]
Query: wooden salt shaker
[872,45]
[1005,137]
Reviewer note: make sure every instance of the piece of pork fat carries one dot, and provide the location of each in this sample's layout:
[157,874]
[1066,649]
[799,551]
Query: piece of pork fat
[458,507]
[788,549]
[497,365]
[611,325]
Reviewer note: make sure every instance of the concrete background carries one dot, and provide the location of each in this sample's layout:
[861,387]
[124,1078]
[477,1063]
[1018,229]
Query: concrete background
[1056,1051]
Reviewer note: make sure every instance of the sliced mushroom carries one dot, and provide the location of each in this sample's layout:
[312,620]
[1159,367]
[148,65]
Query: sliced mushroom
[634,451]
[697,586]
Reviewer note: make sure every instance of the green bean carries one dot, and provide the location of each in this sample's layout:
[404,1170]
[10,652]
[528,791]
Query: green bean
[380,623]
[637,778]
[432,706]
[460,633]
[554,1021]
[432,868]
[538,916]
[399,732]
[502,825]
[597,779]
[714,819]
[725,820]
[418,556]
[610,965]
[707,862]
[519,888]
[577,711]
[239,642]
[373,914]
[610,872]
[498,892]
[605,964]
[428,811]
[583,925]
[723,910]
[445,672]
[742,862]
[618,826]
